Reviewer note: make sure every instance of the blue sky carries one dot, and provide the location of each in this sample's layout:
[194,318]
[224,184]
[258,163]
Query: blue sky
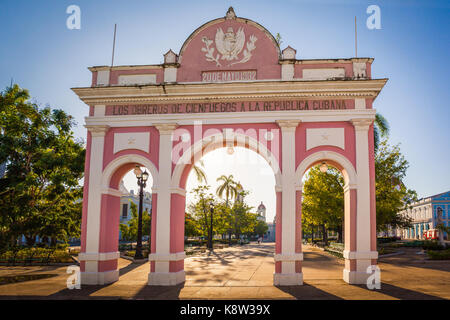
[411,49]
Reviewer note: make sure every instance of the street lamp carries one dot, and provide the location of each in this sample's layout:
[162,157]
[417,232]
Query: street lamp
[142,182]
[323,167]
[211,209]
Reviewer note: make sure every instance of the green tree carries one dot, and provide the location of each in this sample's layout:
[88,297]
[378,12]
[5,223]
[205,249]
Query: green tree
[261,228]
[380,129]
[200,209]
[199,172]
[323,201]
[191,226]
[242,220]
[130,229]
[40,191]
[228,187]
[392,195]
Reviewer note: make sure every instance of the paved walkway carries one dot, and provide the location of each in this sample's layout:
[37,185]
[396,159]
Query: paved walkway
[247,273]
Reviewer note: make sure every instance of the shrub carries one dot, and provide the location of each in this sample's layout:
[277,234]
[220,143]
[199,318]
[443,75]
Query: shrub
[432,245]
[387,239]
[439,255]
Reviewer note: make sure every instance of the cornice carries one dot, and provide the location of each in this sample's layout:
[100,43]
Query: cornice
[236,90]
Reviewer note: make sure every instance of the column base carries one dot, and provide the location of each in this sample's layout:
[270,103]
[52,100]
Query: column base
[288,279]
[166,278]
[355,277]
[99,278]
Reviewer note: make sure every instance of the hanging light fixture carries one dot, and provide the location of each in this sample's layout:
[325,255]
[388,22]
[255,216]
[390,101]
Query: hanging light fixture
[323,167]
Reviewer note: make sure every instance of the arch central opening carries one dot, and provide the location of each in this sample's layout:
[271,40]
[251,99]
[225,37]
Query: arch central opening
[231,191]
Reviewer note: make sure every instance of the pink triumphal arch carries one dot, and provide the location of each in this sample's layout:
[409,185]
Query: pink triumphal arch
[230,85]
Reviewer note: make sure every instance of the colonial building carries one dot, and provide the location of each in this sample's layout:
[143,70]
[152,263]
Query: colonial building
[261,212]
[424,215]
[125,207]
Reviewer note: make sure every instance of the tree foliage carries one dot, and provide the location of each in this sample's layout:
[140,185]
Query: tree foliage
[130,229]
[392,195]
[323,200]
[40,194]
[228,218]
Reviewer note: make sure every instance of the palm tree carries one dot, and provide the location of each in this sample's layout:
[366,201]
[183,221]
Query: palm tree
[380,129]
[229,187]
[199,173]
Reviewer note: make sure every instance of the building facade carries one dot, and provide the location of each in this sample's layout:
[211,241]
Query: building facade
[230,85]
[424,216]
[125,207]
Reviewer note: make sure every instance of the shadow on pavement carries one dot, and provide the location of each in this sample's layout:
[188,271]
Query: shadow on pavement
[129,268]
[308,292]
[402,293]
[159,292]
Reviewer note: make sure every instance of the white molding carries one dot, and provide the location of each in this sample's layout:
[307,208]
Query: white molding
[115,164]
[137,79]
[112,192]
[170,74]
[323,73]
[287,71]
[103,77]
[316,137]
[241,90]
[102,256]
[97,130]
[289,257]
[288,279]
[166,278]
[360,255]
[360,104]
[177,190]
[355,277]
[167,257]
[99,110]
[99,278]
[131,140]
[349,172]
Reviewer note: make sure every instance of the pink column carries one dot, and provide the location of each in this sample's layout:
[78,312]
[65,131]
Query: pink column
[177,218]
[153,231]
[278,231]
[109,232]
[298,229]
[373,209]
[350,227]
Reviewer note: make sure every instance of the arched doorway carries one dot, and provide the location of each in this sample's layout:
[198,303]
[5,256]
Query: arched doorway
[359,245]
[100,232]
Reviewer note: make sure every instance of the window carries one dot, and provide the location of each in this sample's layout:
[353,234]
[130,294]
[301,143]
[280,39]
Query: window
[124,210]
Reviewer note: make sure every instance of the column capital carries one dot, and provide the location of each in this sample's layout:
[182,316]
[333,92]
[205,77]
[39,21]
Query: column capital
[97,130]
[166,128]
[361,124]
[288,125]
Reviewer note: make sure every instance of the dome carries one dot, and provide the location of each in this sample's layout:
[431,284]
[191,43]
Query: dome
[261,206]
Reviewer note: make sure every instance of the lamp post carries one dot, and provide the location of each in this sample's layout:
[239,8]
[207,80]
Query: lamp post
[142,182]
[211,209]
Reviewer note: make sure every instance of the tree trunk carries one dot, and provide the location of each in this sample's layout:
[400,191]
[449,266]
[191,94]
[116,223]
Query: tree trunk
[30,240]
[324,235]
[339,234]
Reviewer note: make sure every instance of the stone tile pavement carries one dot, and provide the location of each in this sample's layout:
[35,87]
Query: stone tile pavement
[246,273]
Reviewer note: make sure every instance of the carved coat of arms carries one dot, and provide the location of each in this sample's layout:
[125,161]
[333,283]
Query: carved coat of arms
[229,46]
